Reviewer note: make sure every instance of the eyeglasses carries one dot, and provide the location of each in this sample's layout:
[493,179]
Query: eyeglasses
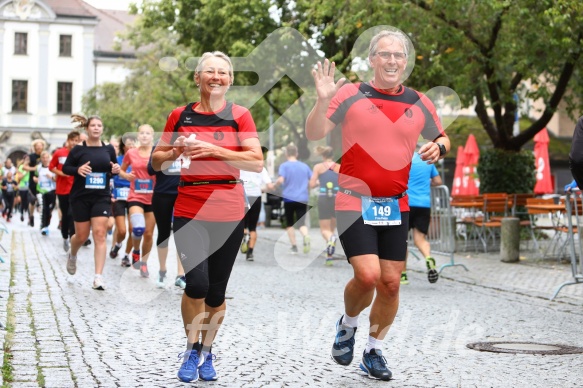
[399,56]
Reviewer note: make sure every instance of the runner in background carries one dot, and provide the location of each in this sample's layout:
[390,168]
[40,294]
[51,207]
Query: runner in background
[91,163]
[9,190]
[121,190]
[421,177]
[38,146]
[253,183]
[325,175]
[22,177]
[165,193]
[46,185]
[140,206]
[64,185]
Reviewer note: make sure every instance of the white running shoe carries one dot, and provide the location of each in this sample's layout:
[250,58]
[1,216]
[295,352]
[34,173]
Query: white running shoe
[98,283]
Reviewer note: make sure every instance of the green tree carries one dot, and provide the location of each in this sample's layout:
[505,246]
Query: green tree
[153,88]
[488,51]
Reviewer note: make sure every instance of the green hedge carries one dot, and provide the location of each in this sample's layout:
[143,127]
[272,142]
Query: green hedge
[506,171]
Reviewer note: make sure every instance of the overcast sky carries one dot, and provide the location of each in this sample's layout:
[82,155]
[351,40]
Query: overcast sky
[111,4]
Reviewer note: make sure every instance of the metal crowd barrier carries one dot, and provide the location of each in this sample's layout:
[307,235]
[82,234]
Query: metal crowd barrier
[442,229]
[573,207]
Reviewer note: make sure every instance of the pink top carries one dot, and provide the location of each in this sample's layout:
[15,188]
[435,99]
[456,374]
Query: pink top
[142,188]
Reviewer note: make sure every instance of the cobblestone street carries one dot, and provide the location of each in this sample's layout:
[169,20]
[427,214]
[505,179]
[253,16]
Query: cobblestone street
[279,326]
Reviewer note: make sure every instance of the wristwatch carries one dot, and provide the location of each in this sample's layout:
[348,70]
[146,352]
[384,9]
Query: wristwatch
[442,149]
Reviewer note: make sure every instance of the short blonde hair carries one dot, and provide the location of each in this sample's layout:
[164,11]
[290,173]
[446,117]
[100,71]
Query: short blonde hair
[37,141]
[215,54]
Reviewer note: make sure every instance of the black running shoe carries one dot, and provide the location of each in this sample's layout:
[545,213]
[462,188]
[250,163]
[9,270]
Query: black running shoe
[87,243]
[343,347]
[125,262]
[114,250]
[375,365]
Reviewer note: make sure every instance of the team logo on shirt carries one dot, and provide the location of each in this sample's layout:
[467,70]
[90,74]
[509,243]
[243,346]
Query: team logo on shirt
[219,135]
[408,113]
[375,108]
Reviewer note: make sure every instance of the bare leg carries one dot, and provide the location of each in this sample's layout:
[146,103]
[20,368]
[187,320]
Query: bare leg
[291,234]
[212,324]
[148,238]
[193,313]
[386,303]
[81,234]
[421,243]
[99,231]
[359,291]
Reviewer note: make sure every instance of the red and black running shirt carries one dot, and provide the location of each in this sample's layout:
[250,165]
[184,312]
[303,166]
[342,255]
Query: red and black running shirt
[227,128]
[379,135]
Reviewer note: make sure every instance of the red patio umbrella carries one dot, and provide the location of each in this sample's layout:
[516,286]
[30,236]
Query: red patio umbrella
[470,183]
[544,184]
[459,171]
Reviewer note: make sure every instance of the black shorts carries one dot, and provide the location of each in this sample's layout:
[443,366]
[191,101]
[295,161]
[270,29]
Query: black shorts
[387,242]
[252,215]
[87,208]
[326,207]
[146,208]
[298,209]
[419,218]
[119,208]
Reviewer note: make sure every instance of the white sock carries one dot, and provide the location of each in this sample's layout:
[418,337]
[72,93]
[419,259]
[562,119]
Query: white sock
[350,321]
[118,245]
[203,354]
[373,343]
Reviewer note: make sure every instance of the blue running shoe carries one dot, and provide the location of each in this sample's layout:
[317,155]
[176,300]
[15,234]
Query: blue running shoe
[375,365]
[188,371]
[206,370]
[343,347]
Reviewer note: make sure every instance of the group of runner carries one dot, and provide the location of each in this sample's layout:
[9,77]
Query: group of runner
[207,143]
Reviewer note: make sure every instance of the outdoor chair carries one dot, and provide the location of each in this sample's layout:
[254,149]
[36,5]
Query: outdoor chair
[467,209]
[495,208]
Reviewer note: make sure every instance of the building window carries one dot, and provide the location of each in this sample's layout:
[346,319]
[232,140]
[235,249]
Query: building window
[65,45]
[19,96]
[20,43]
[64,97]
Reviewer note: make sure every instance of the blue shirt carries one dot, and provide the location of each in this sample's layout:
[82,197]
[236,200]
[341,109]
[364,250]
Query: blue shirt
[296,176]
[419,187]
[166,180]
[118,181]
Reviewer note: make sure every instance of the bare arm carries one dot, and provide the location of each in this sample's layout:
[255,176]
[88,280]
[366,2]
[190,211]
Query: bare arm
[249,159]
[317,124]
[314,179]
[429,151]
[166,153]
[436,181]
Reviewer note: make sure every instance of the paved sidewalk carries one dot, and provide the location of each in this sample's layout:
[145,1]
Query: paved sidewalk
[531,276]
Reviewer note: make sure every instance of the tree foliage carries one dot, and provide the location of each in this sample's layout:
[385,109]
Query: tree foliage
[488,51]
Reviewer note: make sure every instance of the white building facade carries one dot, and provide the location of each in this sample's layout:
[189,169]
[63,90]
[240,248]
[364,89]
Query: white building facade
[51,53]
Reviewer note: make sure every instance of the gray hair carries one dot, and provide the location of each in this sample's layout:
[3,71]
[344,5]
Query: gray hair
[374,42]
[215,54]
